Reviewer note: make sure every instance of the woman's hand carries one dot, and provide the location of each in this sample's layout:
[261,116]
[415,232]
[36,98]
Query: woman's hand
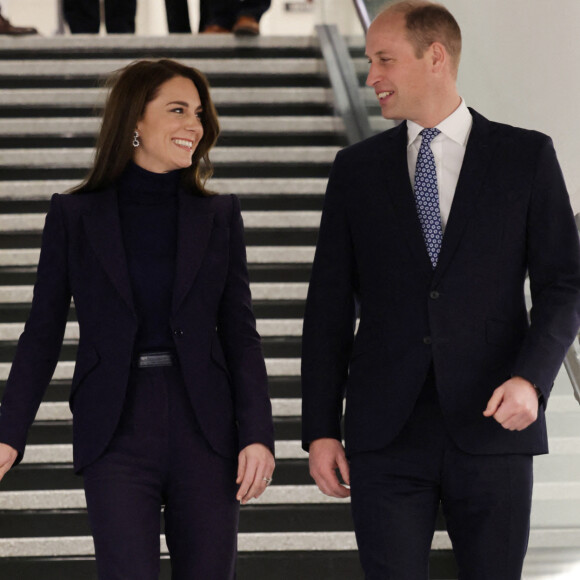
[255,468]
[8,456]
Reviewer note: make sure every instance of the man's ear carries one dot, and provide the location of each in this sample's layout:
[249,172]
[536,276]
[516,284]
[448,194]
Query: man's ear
[438,56]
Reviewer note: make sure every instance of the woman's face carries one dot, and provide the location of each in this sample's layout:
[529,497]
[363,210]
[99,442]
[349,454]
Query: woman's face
[170,128]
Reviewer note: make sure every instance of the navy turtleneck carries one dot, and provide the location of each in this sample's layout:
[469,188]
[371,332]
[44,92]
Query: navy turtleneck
[148,211]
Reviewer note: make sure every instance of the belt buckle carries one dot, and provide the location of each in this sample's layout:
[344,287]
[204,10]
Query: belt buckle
[155,359]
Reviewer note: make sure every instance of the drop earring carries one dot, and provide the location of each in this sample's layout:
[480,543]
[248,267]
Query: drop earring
[136,139]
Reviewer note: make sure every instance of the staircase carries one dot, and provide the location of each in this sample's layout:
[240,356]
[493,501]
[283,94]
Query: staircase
[279,138]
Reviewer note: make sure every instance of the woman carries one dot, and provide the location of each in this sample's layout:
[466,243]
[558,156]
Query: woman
[169,393]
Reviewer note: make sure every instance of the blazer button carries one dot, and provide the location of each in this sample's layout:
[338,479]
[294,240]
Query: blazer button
[427,340]
[434,294]
[178,332]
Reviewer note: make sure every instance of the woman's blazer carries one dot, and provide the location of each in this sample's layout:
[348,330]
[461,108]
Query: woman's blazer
[214,330]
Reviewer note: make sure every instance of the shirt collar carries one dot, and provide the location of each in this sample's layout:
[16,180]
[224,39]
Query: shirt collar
[456,127]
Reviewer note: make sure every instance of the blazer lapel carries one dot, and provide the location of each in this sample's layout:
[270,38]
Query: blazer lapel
[103,228]
[195,224]
[475,165]
[400,192]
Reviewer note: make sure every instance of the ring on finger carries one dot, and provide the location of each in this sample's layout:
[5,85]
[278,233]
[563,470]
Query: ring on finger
[268,480]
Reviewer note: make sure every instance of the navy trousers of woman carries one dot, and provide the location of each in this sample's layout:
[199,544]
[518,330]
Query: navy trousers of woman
[158,457]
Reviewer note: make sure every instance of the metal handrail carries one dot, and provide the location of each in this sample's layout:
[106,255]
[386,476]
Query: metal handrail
[572,360]
[349,104]
[363,14]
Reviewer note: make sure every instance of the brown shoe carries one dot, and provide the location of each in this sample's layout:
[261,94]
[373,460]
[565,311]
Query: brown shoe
[246,26]
[7,28]
[215,29]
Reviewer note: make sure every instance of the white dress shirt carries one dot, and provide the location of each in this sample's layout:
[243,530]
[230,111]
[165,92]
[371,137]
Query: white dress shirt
[448,149]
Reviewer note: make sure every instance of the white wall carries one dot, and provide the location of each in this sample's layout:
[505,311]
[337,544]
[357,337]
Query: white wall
[519,66]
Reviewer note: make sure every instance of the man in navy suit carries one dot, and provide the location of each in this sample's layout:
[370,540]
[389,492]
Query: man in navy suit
[428,232]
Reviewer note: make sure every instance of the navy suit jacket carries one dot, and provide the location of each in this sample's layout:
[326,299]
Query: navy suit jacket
[467,318]
[213,325]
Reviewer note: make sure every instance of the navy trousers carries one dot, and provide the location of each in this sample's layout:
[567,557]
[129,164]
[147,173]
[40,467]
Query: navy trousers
[396,493]
[158,457]
[83,16]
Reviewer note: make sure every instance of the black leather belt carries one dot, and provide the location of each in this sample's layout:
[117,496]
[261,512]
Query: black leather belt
[156,359]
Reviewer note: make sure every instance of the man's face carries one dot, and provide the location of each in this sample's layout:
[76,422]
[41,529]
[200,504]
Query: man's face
[399,78]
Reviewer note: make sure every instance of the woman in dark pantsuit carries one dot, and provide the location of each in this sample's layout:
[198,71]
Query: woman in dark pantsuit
[169,392]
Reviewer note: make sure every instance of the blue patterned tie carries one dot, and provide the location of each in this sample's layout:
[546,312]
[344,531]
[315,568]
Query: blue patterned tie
[427,196]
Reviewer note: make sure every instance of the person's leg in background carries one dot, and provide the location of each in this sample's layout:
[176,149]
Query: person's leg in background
[178,16]
[217,16]
[82,16]
[120,16]
[248,16]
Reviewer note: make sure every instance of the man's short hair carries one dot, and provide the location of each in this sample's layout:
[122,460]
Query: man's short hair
[427,23]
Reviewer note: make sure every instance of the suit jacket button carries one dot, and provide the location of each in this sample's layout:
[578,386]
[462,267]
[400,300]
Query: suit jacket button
[427,340]
[434,294]
[178,332]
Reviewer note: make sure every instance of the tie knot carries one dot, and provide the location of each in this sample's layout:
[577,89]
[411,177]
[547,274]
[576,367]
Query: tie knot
[427,135]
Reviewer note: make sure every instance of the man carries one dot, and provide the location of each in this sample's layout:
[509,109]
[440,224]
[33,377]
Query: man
[428,232]
[7,28]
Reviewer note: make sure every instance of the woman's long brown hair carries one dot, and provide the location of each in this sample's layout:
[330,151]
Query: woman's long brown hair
[131,89]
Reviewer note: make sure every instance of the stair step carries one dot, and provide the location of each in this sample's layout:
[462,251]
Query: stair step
[260,291]
[59,411]
[90,44]
[78,127]
[266,328]
[34,222]
[251,565]
[255,254]
[94,98]
[59,476]
[67,158]
[43,190]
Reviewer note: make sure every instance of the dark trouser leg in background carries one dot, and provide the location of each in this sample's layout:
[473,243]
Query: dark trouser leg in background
[120,16]
[82,16]
[177,16]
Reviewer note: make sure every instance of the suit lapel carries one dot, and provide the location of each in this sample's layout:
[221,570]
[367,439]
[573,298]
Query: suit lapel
[475,165]
[400,192]
[195,224]
[103,228]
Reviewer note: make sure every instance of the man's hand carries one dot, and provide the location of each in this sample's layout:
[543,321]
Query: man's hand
[514,404]
[8,456]
[326,455]
[255,468]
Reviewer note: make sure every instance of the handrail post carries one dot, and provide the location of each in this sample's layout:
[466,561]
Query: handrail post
[349,103]
[572,360]
[363,14]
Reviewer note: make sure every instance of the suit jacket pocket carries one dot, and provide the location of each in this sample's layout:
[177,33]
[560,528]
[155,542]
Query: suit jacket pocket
[86,361]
